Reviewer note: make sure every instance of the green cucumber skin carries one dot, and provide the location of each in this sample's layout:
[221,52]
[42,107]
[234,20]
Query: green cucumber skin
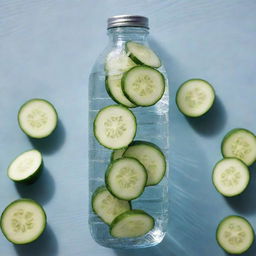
[141,142]
[136,60]
[244,166]
[195,79]
[25,200]
[109,170]
[94,128]
[112,154]
[35,99]
[112,97]
[229,134]
[33,177]
[127,96]
[99,190]
[129,213]
[230,216]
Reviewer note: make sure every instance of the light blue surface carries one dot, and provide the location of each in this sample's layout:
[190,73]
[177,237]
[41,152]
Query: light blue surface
[47,49]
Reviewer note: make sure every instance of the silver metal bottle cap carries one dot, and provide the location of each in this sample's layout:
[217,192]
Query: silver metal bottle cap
[128,21]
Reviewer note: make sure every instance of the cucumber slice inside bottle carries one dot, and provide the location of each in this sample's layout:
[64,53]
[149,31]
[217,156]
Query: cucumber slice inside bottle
[230,177]
[142,55]
[114,89]
[143,86]
[126,178]
[27,167]
[151,157]
[132,223]
[235,234]
[240,143]
[118,62]
[118,153]
[115,127]
[37,118]
[106,206]
[195,97]
[23,221]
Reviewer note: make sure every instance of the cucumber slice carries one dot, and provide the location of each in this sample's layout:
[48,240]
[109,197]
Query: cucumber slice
[144,86]
[235,234]
[114,89]
[240,143]
[116,154]
[151,157]
[37,118]
[142,55]
[106,206]
[118,62]
[27,167]
[126,178]
[23,221]
[195,97]
[115,127]
[230,176]
[132,223]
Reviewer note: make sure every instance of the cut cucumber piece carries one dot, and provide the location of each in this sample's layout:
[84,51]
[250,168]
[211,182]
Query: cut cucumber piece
[106,206]
[132,223]
[23,221]
[151,157]
[240,143]
[27,167]
[126,178]
[114,89]
[230,176]
[195,97]
[115,127]
[116,154]
[37,118]
[235,234]
[118,62]
[144,86]
[142,55]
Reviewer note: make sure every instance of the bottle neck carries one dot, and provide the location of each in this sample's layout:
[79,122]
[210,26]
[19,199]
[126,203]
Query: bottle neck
[119,35]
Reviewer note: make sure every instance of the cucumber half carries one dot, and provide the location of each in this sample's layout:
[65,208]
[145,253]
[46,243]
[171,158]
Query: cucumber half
[27,167]
[151,157]
[37,118]
[240,143]
[132,223]
[195,97]
[118,62]
[106,206]
[126,178]
[23,221]
[114,89]
[142,55]
[235,234]
[117,153]
[143,86]
[115,126]
[230,176]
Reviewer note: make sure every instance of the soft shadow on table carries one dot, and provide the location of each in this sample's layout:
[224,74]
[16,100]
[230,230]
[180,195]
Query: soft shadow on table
[51,143]
[245,203]
[212,122]
[42,190]
[46,245]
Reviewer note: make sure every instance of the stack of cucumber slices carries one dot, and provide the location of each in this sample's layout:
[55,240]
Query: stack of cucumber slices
[132,80]
[231,177]
[24,220]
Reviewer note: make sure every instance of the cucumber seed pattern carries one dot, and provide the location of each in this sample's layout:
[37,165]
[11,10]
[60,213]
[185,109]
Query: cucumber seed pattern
[127,177]
[230,177]
[144,85]
[22,221]
[114,127]
[235,235]
[37,118]
[113,206]
[195,97]
[240,148]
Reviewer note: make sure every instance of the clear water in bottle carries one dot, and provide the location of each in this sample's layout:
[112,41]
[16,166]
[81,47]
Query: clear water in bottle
[152,126]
